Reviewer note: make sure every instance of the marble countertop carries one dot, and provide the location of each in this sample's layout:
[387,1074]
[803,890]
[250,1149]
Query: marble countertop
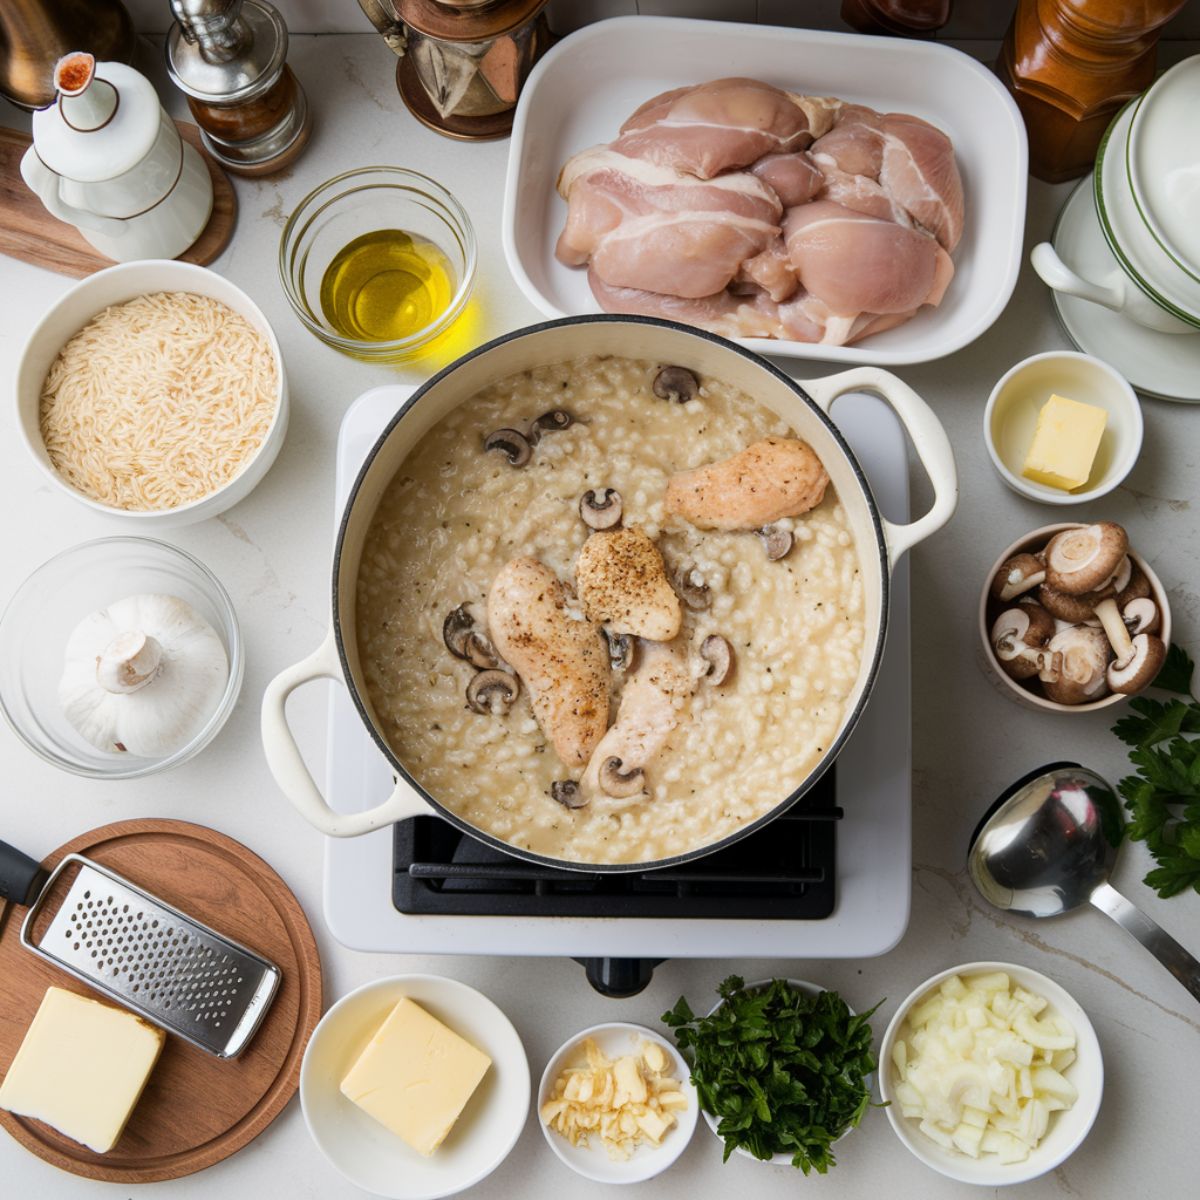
[273,554]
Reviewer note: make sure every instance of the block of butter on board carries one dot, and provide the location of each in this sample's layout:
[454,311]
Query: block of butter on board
[1065,443]
[416,1076]
[81,1068]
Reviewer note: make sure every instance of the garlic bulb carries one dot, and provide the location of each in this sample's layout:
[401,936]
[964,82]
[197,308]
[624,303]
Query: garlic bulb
[143,675]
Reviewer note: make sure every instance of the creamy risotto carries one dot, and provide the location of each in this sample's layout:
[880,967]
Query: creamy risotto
[455,515]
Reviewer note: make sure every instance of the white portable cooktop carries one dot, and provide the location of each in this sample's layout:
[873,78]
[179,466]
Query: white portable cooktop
[874,773]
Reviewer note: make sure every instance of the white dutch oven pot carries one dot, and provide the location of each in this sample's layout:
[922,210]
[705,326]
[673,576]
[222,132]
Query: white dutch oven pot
[805,406]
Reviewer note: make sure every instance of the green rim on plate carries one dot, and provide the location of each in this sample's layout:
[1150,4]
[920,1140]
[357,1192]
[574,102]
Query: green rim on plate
[1150,224]
[1109,235]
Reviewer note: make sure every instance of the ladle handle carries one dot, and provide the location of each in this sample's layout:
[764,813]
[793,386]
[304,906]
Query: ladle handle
[1161,944]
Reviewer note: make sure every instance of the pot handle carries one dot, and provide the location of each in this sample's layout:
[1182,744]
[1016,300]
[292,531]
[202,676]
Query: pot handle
[287,765]
[928,438]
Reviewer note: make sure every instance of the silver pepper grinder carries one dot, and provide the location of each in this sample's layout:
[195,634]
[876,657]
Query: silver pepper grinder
[229,57]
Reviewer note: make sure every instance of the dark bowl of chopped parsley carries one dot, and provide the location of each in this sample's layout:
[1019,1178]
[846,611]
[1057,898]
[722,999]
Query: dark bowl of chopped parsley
[783,1069]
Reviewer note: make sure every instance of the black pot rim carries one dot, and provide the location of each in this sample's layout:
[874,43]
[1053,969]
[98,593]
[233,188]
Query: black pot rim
[848,723]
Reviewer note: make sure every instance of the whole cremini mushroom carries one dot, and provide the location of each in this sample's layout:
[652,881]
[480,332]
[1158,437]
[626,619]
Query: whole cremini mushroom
[1018,575]
[1137,672]
[1092,564]
[1081,676]
[1141,615]
[1083,559]
[1019,637]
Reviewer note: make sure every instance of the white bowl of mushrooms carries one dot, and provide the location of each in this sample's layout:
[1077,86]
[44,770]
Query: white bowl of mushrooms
[1073,619]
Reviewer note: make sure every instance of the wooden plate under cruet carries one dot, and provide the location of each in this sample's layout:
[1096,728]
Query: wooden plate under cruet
[30,233]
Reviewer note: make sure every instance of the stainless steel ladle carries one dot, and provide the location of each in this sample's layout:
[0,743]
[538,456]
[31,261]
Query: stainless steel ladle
[1047,846]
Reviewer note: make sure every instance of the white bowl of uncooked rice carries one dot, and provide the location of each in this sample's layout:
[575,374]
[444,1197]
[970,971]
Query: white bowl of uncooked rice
[153,391]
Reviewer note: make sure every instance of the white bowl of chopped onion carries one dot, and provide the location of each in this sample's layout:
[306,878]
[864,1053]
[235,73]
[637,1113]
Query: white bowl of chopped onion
[153,391]
[616,1103]
[992,1073]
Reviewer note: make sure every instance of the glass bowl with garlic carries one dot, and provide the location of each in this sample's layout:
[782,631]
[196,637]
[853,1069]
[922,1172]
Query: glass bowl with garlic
[119,657]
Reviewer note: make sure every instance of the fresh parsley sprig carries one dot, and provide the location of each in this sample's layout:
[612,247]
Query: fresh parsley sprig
[1163,797]
[784,1072]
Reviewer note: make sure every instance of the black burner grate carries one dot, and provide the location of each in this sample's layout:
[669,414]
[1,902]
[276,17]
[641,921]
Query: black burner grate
[786,871]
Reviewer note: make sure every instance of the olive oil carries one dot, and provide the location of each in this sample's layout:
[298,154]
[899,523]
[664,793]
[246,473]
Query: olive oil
[386,285]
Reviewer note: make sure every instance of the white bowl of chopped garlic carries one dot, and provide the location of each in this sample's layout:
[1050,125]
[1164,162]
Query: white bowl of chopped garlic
[153,392]
[616,1103]
[992,1073]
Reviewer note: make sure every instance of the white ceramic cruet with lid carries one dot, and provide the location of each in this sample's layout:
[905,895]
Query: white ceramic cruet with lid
[107,159]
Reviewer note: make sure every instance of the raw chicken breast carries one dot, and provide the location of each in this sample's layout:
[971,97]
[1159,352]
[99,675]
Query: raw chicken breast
[794,178]
[801,318]
[853,145]
[770,271]
[911,161]
[919,170]
[713,127]
[681,217]
[647,226]
[856,263]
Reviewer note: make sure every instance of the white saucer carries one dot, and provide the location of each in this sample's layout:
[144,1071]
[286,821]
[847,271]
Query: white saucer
[1163,365]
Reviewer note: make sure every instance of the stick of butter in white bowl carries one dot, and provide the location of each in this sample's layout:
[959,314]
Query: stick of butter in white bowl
[1065,443]
[1062,428]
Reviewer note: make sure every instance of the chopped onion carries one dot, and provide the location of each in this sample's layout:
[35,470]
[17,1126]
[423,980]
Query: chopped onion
[981,1067]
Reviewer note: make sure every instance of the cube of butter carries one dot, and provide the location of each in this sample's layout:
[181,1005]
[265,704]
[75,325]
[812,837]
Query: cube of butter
[81,1068]
[415,1076]
[1065,443]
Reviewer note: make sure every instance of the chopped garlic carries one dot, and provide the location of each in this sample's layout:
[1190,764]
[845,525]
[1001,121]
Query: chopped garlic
[627,1103]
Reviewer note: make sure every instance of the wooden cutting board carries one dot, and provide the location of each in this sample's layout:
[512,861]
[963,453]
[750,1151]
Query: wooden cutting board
[196,1109]
[30,233]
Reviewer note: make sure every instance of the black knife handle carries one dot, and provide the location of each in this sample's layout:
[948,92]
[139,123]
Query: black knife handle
[21,877]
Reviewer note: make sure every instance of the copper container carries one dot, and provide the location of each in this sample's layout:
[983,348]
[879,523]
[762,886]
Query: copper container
[462,62]
[35,34]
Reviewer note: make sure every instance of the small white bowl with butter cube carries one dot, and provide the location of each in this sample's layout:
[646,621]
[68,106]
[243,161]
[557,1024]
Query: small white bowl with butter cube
[1063,428]
[415,1087]
[616,1103]
[992,1073]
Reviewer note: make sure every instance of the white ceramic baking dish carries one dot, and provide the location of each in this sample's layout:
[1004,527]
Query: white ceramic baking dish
[583,89]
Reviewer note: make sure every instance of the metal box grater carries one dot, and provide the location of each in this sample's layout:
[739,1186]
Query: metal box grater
[153,959]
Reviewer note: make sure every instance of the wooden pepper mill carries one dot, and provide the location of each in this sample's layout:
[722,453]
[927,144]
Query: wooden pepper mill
[903,18]
[1070,65]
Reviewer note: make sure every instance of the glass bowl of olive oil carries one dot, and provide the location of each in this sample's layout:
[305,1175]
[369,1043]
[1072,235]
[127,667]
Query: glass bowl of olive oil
[378,263]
